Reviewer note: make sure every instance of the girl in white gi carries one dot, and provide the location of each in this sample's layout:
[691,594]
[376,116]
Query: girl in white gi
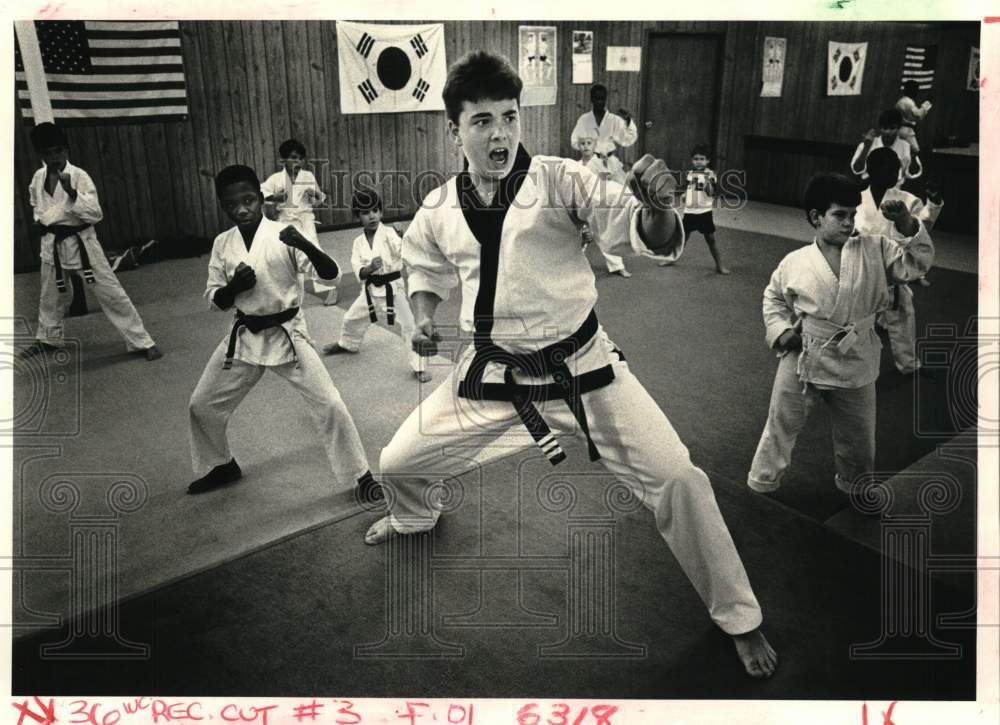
[507,232]
[612,130]
[599,165]
[65,208]
[900,319]
[377,258]
[290,195]
[255,267]
[819,313]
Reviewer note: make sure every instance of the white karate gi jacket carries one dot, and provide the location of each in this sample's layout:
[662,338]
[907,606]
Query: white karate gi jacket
[277,267]
[57,208]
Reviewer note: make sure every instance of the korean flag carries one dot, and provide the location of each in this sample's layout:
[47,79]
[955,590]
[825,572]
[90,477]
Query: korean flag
[390,68]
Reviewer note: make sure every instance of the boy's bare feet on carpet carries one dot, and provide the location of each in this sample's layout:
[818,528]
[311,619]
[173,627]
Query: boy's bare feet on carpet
[758,657]
[665,263]
[622,273]
[380,532]
[335,349]
[723,270]
[422,375]
[332,298]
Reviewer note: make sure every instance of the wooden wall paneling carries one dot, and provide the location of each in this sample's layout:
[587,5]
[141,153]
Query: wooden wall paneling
[162,180]
[263,147]
[25,246]
[319,142]
[119,200]
[297,73]
[277,85]
[202,129]
[340,143]
[217,94]
[234,76]
[139,170]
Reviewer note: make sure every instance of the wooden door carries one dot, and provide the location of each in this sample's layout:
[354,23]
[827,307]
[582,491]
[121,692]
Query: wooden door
[681,82]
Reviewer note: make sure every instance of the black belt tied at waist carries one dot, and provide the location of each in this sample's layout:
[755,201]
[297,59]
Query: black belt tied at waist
[256,323]
[60,233]
[550,360]
[382,280]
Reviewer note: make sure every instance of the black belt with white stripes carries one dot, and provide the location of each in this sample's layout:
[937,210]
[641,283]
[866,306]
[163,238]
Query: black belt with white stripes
[549,360]
[62,232]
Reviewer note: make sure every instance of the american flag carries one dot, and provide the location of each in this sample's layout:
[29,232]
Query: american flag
[918,65]
[97,70]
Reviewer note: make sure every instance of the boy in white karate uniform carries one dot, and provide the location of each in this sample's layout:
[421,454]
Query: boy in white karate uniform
[255,268]
[613,130]
[900,319]
[377,258]
[65,207]
[819,313]
[507,232]
[889,123]
[586,142]
[290,196]
[911,113]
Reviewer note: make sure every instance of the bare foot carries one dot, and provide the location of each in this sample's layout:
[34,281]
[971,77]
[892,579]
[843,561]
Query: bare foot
[335,349]
[723,270]
[758,657]
[422,375]
[380,532]
[622,273]
[331,297]
[665,263]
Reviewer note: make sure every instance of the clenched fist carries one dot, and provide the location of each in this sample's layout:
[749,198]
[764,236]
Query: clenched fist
[652,182]
[895,211]
[244,278]
[292,237]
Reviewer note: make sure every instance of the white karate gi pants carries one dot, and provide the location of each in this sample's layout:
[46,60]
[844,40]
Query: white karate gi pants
[852,411]
[219,392]
[902,326]
[614,262]
[115,303]
[356,323]
[636,443]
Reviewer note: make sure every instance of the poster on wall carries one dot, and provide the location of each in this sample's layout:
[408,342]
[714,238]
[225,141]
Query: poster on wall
[774,68]
[583,56]
[972,78]
[845,68]
[624,58]
[537,64]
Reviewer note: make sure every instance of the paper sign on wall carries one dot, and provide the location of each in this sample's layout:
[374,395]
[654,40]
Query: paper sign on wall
[972,78]
[774,67]
[583,56]
[624,58]
[537,64]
